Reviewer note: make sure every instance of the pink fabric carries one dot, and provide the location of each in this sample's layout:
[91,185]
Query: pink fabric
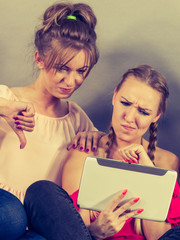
[46,149]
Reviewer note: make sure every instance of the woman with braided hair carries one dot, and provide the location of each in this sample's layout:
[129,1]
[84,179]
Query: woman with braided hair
[138,102]
[65,53]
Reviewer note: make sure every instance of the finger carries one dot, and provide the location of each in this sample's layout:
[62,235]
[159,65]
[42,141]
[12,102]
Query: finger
[89,141]
[24,128]
[24,119]
[22,138]
[74,143]
[126,206]
[95,142]
[28,111]
[115,202]
[82,141]
[26,124]
[130,214]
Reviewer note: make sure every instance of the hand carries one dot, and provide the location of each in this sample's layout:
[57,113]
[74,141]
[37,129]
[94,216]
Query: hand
[20,117]
[112,219]
[135,153]
[86,141]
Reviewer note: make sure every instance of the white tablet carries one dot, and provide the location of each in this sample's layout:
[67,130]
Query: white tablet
[102,179]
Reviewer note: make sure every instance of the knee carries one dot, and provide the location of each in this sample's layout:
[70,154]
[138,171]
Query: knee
[43,192]
[13,218]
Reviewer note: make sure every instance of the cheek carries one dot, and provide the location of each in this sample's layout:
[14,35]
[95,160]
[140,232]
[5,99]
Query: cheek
[143,124]
[79,82]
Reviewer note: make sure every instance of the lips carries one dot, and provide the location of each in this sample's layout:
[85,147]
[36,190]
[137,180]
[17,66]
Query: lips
[66,90]
[128,128]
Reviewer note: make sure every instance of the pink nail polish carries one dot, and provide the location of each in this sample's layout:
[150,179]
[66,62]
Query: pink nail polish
[136,199]
[124,192]
[140,210]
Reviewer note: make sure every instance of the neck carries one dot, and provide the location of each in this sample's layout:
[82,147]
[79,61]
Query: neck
[119,143]
[42,97]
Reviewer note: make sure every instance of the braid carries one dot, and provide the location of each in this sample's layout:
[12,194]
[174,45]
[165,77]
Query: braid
[111,137]
[152,140]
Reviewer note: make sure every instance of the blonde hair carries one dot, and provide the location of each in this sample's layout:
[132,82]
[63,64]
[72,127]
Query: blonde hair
[59,39]
[157,81]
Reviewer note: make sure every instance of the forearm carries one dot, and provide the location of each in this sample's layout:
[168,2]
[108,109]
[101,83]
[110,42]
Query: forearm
[154,230]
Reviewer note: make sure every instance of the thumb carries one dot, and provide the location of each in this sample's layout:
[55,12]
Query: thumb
[22,138]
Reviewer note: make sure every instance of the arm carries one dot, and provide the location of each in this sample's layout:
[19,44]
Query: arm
[19,116]
[109,221]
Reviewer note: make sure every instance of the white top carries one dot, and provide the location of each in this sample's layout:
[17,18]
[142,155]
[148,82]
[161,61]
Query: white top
[45,151]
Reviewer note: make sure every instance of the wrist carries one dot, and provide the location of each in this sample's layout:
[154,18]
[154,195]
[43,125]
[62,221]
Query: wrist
[95,232]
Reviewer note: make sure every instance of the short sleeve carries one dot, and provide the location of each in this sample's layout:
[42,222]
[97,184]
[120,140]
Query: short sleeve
[6,93]
[173,216]
[82,121]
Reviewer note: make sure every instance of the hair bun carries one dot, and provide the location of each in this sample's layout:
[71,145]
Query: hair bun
[56,13]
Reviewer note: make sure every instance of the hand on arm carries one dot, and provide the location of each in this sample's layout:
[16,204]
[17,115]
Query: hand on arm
[86,141]
[19,116]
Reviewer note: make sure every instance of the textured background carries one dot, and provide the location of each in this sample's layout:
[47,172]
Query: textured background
[130,32]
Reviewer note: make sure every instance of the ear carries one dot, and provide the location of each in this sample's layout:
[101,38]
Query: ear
[38,60]
[114,95]
[157,118]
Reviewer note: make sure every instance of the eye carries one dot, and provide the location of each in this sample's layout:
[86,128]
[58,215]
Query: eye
[81,71]
[63,69]
[143,112]
[125,103]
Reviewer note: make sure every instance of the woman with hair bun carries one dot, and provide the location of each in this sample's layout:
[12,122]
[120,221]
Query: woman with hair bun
[65,53]
[138,102]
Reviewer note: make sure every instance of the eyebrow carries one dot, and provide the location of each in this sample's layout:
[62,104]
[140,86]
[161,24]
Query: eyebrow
[145,109]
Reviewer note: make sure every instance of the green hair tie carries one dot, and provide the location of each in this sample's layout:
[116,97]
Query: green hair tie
[71,17]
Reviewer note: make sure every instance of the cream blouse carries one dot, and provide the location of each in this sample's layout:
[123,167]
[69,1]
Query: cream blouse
[45,151]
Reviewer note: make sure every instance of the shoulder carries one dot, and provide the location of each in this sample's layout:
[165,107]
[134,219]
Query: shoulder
[80,118]
[166,159]
[74,107]
[5,92]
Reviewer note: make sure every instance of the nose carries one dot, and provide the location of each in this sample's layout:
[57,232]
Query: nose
[129,114]
[70,79]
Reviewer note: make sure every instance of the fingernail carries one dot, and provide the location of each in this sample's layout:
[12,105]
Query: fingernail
[17,122]
[94,149]
[136,199]
[15,118]
[73,145]
[124,192]
[87,150]
[81,148]
[19,127]
[140,210]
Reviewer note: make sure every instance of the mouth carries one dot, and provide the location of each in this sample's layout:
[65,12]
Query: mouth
[128,128]
[66,90]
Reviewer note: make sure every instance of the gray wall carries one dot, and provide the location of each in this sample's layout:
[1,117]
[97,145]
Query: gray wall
[130,32]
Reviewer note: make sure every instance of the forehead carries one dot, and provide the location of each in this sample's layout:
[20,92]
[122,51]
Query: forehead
[78,60]
[136,91]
